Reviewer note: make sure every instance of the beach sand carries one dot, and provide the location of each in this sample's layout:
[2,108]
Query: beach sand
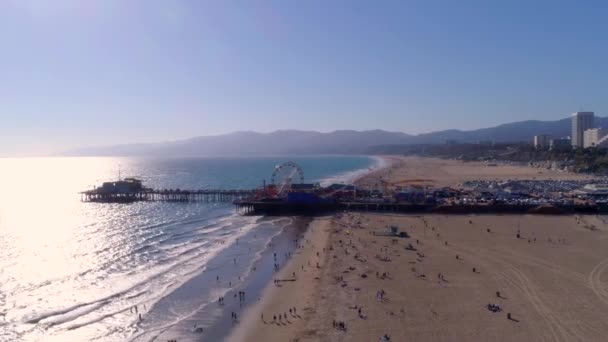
[299,292]
[448,172]
[551,279]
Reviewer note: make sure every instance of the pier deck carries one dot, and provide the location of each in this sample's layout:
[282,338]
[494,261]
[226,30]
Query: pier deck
[201,195]
[283,208]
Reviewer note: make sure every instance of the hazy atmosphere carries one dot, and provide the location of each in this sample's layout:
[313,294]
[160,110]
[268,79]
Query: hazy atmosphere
[78,74]
[303,170]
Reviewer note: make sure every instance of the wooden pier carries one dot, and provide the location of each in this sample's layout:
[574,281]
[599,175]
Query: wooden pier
[284,208]
[202,195]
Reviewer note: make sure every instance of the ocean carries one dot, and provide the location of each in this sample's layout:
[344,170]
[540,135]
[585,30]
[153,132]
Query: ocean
[74,271]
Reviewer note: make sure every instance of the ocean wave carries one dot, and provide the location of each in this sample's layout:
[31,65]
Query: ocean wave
[96,319]
[72,314]
[351,176]
[152,245]
[79,310]
[157,330]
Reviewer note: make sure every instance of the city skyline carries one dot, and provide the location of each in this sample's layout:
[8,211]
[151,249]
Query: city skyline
[111,72]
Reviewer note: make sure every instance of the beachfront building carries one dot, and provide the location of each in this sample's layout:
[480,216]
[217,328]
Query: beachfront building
[595,137]
[581,121]
[560,144]
[541,141]
[128,185]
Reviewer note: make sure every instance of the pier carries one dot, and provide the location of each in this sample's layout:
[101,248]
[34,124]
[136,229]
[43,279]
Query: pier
[287,194]
[284,208]
[202,195]
[132,190]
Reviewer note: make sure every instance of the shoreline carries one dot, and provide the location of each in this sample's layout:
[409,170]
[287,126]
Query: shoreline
[338,287]
[216,321]
[239,267]
[258,323]
[350,177]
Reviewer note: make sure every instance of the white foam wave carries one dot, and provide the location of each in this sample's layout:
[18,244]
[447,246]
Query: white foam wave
[351,176]
[152,334]
[149,282]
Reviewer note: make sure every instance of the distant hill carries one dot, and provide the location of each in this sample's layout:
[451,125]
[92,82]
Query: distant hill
[511,132]
[337,142]
[252,143]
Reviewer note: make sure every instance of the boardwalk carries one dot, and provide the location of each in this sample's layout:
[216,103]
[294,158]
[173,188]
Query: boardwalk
[285,208]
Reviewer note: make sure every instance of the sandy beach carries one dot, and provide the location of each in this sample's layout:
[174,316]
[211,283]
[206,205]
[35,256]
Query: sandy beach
[261,321]
[547,273]
[448,172]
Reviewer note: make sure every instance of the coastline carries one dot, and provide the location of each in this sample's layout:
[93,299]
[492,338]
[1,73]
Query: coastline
[237,270]
[216,321]
[438,172]
[379,163]
[297,292]
[418,306]
[258,323]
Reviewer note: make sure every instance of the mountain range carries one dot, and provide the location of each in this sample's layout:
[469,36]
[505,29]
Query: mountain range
[284,142]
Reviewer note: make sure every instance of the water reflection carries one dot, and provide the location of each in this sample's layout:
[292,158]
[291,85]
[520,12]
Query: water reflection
[73,271]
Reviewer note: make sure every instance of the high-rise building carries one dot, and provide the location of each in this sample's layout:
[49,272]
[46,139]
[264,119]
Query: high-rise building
[541,141]
[581,121]
[595,137]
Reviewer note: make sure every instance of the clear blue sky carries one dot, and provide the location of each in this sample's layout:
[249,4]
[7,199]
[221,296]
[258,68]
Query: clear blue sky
[81,73]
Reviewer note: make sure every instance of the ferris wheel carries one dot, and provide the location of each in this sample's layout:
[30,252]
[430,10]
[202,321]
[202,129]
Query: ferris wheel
[286,174]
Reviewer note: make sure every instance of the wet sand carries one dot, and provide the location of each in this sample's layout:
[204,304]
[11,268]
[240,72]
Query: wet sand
[224,276]
[299,292]
[551,279]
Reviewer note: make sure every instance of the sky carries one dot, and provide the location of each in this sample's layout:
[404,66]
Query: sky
[87,73]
